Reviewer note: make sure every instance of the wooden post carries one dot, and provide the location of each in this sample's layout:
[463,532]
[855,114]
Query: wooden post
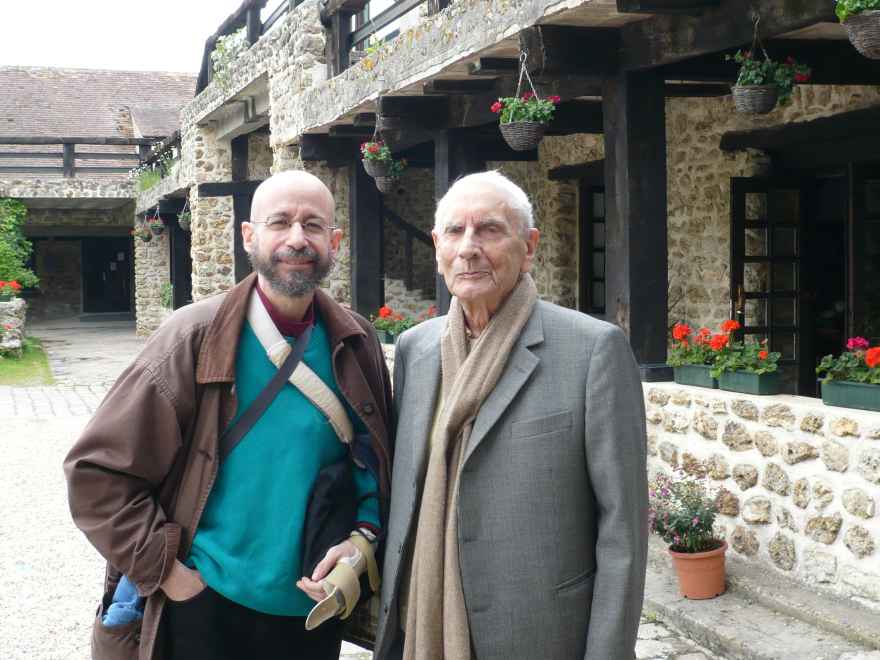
[69,160]
[367,285]
[340,30]
[453,158]
[635,215]
[254,25]
[241,205]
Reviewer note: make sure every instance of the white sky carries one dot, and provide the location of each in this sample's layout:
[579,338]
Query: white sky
[138,35]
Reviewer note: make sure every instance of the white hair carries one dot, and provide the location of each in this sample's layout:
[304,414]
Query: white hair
[514,197]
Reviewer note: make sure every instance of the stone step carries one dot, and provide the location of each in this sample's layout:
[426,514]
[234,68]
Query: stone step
[761,617]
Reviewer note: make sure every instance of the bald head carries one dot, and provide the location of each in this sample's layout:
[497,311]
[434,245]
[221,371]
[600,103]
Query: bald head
[292,184]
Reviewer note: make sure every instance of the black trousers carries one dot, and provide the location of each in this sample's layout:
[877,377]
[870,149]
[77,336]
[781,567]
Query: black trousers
[211,627]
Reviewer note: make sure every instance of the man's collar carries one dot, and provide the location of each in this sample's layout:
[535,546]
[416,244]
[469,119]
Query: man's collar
[286,326]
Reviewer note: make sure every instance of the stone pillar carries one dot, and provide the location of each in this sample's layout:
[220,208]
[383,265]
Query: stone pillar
[152,269]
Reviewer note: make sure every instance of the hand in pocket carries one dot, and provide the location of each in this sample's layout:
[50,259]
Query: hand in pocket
[182,583]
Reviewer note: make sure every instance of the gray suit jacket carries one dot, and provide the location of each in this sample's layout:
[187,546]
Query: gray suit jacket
[552,511]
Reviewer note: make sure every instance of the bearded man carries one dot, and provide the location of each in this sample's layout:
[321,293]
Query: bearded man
[518,525]
[204,542]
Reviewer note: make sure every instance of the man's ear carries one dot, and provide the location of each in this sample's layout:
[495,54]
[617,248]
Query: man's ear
[335,240]
[532,238]
[248,236]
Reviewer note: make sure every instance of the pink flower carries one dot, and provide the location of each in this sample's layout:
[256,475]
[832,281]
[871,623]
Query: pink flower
[553,99]
[802,77]
[695,521]
[857,344]
[527,96]
[497,107]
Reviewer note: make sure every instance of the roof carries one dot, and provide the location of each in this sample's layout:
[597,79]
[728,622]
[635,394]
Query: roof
[44,102]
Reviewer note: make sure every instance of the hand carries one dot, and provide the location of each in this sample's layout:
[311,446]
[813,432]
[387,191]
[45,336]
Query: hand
[182,582]
[312,586]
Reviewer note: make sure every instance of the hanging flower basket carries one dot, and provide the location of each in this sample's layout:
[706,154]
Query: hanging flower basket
[156,226]
[185,220]
[755,99]
[863,30]
[386,184]
[376,168]
[523,135]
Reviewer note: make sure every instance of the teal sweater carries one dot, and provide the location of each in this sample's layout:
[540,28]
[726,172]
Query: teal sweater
[247,546]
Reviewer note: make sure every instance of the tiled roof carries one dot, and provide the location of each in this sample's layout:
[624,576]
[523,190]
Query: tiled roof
[39,101]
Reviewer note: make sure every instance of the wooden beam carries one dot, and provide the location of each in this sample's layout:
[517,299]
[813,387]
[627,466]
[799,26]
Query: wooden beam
[494,66]
[672,38]
[364,119]
[239,153]
[241,212]
[346,6]
[171,205]
[75,140]
[347,130]
[565,49]
[577,117]
[227,188]
[338,47]
[254,25]
[69,160]
[635,215]
[696,90]
[433,110]
[335,151]
[367,286]
[664,6]
[592,171]
[466,86]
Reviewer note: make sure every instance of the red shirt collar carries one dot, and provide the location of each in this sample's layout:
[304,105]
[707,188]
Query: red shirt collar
[287,327]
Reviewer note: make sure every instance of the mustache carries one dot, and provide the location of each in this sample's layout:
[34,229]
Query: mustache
[291,253]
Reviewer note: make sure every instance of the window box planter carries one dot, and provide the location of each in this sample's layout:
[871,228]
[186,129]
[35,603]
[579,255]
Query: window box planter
[385,337]
[749,383]
[848,394]
[694,374]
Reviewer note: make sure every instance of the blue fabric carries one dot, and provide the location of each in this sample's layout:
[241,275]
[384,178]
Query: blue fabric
[127,605]
[247,545]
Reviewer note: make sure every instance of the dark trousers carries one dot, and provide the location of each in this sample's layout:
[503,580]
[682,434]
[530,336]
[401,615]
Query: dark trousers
[211,627]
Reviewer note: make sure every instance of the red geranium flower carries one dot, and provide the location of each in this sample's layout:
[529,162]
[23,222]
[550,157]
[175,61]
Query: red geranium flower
[680,331]
[730,325]
[762,355]
[373,148]
[15,285]
[872,357]
[553,99]
[497,107]
[802,77]
[719,341]
[527,96]
[385,312]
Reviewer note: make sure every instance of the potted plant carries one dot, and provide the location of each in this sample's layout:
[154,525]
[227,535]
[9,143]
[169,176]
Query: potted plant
[523,119]
[861,18]
[9,290]
[744,366]
[682,512]
[389,323]
[852,380]
[691,356]
[388,183]
[142,233]
[762,83]
[184,219]
[156,225]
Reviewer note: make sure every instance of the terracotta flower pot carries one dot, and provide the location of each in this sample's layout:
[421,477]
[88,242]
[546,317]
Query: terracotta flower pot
[700,574]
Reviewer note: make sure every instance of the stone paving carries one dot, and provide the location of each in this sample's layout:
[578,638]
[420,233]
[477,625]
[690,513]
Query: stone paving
[50,567]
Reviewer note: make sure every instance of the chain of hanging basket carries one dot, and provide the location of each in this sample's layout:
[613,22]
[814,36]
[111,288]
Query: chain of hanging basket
[523,135]
[184,218]
[756,99]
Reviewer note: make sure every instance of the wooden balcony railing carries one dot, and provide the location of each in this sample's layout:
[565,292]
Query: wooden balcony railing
[68,157]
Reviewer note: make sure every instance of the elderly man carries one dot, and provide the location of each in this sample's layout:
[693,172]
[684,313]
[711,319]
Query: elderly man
[518,526]
[200,496]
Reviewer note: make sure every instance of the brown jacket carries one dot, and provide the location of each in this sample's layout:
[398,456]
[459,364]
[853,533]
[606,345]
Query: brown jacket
[140,474]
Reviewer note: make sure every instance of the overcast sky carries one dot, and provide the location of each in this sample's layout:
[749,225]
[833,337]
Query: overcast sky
[139,35]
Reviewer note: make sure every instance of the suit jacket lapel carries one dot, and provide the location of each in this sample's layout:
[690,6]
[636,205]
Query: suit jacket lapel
[520,365]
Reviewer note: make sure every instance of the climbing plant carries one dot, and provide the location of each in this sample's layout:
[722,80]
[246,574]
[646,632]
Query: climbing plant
[14,247]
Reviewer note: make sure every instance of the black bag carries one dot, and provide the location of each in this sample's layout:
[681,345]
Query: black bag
[330,513]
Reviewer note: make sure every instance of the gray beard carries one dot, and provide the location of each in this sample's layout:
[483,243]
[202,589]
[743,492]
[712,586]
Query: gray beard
[297,283]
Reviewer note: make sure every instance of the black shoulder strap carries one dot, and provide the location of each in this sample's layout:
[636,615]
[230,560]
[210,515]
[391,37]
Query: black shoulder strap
[233,435]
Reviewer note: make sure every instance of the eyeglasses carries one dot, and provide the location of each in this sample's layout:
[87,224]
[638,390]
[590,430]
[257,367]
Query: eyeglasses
[280,224]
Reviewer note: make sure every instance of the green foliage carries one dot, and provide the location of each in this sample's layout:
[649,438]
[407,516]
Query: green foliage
[227,50]
[682,512]
[750,356]
[527,107]
[394,323]
[15,249]
[32,368]
[690,349]
[166,295]
[147,178]
[859,366]
[376,150]
[756,71]
[846,8]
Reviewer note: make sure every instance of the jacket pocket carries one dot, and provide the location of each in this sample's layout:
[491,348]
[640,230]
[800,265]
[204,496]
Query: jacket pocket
[557,421]
[115,642]
[574,583]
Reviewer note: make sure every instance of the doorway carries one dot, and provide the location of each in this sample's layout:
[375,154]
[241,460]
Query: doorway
[107,275]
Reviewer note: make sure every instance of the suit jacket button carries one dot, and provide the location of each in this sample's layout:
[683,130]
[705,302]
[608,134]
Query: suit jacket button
[368,408]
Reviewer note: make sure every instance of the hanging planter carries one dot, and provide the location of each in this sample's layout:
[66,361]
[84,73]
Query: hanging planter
[142,233]
[386,184]
[156,226]
[184,218]
[523,118]
[762,84]
[380,164]
[861,18]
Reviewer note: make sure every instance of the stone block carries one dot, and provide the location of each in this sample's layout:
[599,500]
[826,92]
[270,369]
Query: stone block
[658,396]
[756,510]
[745,409]
[859,503]
[652,444]
[692,465]
[869,465]
[745,476]
[779,415]
[874,434]
[859,541]
[675,422]
[728,503]
[861,582]
[737,437]
[653,415]
[706,425]
[782,552]
[669,453]
[835,456]
[801,493]
[823,493]
[824,529]
[718,407]
[766,443]
[786,520]
[812,423]
[844,426]
[818,566]
[717,467]
[776,480]
[681,398]
[745,541]
[797,452]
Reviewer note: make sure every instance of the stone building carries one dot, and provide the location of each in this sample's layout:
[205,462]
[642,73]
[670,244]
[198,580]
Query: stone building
[68,139]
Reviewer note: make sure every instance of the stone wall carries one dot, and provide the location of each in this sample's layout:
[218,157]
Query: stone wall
[83,220]
[67,188]
[260,157]
[152,269]
[58,264]
[12,321]
[800,480]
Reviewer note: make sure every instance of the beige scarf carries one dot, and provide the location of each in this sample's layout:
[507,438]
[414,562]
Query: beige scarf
[436,618]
